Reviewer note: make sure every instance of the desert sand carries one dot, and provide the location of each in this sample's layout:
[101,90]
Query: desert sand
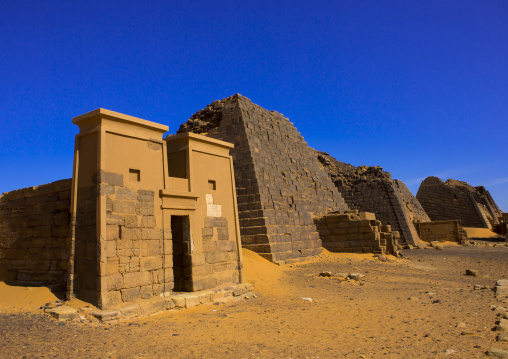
[420,306]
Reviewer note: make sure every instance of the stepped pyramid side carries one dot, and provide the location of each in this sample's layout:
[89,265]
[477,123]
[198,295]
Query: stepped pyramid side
[370,189]
[280,184]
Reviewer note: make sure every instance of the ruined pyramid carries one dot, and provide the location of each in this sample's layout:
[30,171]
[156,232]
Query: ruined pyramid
[280,184]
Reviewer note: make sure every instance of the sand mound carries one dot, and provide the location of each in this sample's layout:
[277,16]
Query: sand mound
[480,232]
[260,272]
[23,299]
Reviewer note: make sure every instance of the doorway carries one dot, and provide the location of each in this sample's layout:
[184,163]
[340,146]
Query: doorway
[182,249]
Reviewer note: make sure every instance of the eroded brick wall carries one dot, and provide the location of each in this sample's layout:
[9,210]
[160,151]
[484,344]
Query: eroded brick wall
[34,234]
[280,184]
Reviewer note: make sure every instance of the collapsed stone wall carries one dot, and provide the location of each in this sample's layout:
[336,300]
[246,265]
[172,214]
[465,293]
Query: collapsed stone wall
[280,184]
[34,234]
[356,232]
[370,189]
[458,200]
[442,231]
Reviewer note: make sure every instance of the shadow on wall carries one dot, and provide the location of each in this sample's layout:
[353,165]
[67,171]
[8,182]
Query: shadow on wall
[34,233]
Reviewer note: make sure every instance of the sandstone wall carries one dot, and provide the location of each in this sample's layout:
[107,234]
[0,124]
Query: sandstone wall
[220,255]
[370,189]
[355,232]
[280,184]
[134,245]
[458,200]
[34,234]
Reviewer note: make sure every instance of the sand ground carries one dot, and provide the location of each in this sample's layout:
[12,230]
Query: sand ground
[422,306]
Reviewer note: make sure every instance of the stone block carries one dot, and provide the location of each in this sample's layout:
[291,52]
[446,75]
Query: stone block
[151,248]
[151,263]
[148,222]
[137,279]
[114,281]
[125,194]
[213,210]
[146,196]
[154,305]
[130,311]
[131,221]
[129,233]
[151,233]
[130,294]
[113,179]
[63,313]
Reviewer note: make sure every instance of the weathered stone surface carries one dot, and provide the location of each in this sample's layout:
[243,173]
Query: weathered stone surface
[453,199]
[370,189]
[34,231]
[63,312]
[497,353]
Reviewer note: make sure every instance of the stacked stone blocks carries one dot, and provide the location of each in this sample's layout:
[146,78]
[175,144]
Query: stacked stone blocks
[139,253]
[356,232]
[34,234]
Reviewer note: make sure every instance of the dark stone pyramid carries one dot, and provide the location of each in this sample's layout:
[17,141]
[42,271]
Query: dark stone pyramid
[280,184]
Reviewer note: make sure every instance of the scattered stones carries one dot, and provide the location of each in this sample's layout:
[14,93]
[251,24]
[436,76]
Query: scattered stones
[461,325]
[382,258]
[413,299]
[308,300]
[498,308]
[471,273]
[480,287]
[502,287]
[62,313]
[502,338]
[498,353]
[439,247]
[325,274]
[356,276]
[502,325]
[450,351]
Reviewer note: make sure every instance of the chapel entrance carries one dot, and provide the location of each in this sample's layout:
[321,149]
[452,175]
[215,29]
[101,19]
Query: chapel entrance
[182,249]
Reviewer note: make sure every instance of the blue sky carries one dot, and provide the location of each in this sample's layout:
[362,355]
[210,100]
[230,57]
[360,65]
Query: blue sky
[417,87]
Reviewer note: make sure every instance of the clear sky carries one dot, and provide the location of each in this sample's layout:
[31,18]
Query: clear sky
[417,87]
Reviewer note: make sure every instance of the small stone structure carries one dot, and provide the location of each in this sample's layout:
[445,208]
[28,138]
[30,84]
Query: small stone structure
[280,184]
[34,234]
[150,216]
[454,199]
[356,232]
[142,218]
[371,189]
[441,231]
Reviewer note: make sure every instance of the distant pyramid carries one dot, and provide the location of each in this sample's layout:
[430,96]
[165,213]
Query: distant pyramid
[453,199]
[280,184]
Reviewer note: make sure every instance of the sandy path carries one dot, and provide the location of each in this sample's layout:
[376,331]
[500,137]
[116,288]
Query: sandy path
[373,318]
